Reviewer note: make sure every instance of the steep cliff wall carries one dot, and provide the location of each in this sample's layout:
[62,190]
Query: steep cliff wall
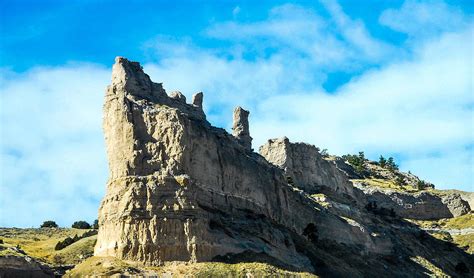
[180,189]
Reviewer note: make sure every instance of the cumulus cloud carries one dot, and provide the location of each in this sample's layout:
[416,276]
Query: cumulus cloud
[52,151]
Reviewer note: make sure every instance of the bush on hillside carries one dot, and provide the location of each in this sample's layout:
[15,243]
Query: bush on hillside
[70,240]
[382,161]
[49,224]
[357,161]
[81,225]
[391,165]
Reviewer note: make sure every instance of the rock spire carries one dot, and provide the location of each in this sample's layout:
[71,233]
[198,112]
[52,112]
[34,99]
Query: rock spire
[240,128]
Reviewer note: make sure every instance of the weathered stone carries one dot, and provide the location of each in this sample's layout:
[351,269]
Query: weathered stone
[197,99]
[182,190]
[422,205]
[23,266]
[240,128]
[178,96]
[305,167]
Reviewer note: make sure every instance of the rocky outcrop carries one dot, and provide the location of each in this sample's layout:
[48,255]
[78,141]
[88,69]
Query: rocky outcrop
[182,190]
[197,99]
[423,205]
[23,266]
[240,128]
[305,167]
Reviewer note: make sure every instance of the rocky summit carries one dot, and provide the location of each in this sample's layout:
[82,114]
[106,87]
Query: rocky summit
[182,190]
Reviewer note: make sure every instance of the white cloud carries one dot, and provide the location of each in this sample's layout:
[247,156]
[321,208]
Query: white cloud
[421,18]
[416,108]
[53,157]
[419,109]
[333,43]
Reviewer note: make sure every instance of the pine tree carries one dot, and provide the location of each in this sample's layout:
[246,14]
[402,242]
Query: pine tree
[382,161]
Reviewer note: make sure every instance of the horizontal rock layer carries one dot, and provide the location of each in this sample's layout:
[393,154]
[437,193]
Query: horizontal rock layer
[180,189]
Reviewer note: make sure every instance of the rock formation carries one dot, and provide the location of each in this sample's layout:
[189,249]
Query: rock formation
[422,205]
[197,99]
[180,189]
[305,167]
[240,128]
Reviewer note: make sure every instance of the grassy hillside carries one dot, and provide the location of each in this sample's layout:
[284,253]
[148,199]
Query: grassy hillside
[439,228]
[40,243]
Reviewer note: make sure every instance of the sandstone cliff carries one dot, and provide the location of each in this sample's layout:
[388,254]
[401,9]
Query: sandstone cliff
[182,190]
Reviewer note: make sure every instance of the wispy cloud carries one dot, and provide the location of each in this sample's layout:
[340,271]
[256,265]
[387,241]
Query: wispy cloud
[420,19]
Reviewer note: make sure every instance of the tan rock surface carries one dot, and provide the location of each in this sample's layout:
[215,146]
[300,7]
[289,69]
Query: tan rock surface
[182,190]
[304,165]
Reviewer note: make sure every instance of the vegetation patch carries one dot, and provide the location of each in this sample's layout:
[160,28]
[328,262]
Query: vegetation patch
[465,242]
[41,243]
[107,266]
[70,240]
[386,184]
[431,269]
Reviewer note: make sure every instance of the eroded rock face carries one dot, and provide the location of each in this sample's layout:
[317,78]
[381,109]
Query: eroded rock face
[240,128]
[305,167]
[182,190]
[197,99]
[423,205]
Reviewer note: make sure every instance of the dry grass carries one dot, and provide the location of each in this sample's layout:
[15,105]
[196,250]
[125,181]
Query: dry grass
[460,222]
[431,269]
[386,184]
[106,266]
[40,243]
[465,242]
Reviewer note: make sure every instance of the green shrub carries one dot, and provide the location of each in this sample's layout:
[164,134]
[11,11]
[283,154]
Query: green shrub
[49,224]
[96,224]
[357,161]
[68,241]
[382,161]
[400,181]
[81,225]
[391,165]
[422,185]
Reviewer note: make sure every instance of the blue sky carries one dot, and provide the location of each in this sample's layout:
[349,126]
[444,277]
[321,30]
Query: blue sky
[386,77]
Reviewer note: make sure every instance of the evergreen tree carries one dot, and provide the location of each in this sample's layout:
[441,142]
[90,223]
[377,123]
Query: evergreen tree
[382,161]
[96,224]
[391,164]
